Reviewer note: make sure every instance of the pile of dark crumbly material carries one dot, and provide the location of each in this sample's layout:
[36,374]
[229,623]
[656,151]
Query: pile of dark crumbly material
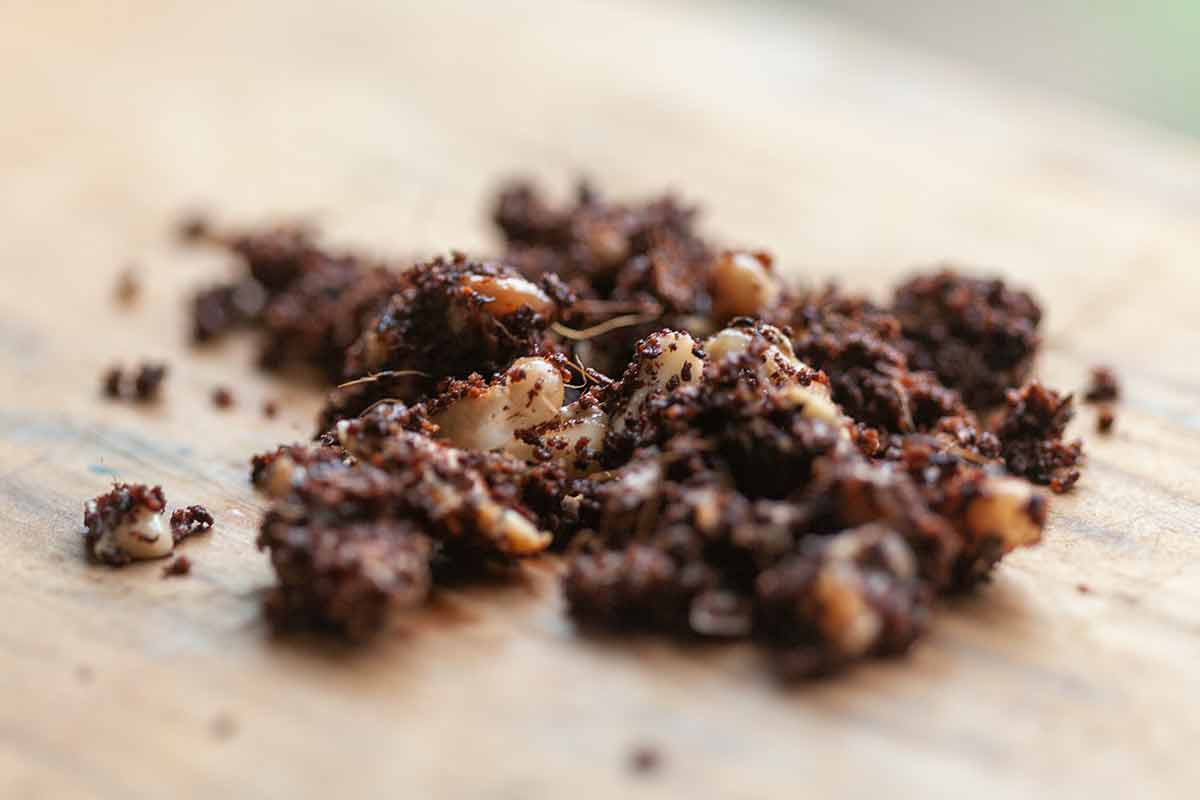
[716,454]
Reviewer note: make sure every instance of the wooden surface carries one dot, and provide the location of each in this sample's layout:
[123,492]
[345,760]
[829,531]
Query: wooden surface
[389,124]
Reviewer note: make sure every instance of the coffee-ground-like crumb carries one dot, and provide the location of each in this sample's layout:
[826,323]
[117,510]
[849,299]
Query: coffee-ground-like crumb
[270,409]
[142,385]
[179,567]
[148,380]
[1030,433]
[1106,418]
[190,520]
[128,288]
[1104,386]
[645,759]
[978,335]
[222,397]
[1083,588]
[125,524]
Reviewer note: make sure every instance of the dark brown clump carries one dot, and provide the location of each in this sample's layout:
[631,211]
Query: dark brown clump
[310,303]
[979,336]
[141,385]
[220,309]
[1030,433]
[1105,419]
[347,576]
[1104,387]
[222,397]
[270,409]
[640,259]
[178,568]
[191,520]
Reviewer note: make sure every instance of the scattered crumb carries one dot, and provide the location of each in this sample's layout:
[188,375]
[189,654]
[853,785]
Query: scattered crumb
[645,759]
[140,386]
[182,565]
[270,409]
[190,520]
[223,726]
[1083,588]
[129,287]
[1104,386]
[194,226]
[222,397]
[1106,419]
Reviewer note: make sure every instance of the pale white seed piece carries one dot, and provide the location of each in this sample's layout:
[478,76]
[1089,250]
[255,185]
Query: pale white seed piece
[528,394]
[141,534]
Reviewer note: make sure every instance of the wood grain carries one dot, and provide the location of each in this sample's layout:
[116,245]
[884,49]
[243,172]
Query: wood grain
[389,122]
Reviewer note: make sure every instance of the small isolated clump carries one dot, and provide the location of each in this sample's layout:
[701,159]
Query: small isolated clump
[1030,434]
[1104,386]
[178,568]
[717,455]
[128,524]
[191,520]
[977,335]
[222,398]
[1106,418]
[142,385]
[128,288]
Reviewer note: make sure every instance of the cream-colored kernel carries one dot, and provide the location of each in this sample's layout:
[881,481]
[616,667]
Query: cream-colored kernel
[743,286]
[140,535]
[1003,511]
[528,394]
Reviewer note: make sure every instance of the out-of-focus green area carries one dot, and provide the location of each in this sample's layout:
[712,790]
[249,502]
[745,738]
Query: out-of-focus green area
[1140,56]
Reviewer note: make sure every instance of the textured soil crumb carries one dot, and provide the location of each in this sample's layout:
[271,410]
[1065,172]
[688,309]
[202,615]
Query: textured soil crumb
[140,385]
[190,520]
[1104,386]
[222,398]
[178,568]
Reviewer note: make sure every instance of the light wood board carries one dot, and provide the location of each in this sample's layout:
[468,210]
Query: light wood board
[389,123]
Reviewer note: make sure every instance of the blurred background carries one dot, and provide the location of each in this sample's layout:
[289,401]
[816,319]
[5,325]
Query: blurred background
[1138,56]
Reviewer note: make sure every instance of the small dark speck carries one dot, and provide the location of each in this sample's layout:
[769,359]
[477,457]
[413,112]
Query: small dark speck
[645,759]
[1083,588]
[223,727]
[222,397]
